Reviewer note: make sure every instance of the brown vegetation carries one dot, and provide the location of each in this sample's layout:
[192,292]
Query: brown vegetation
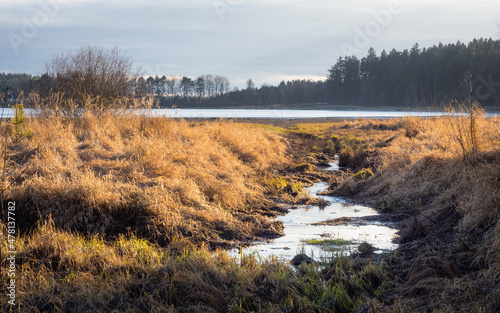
[441,175]
[156,177]
[115,213]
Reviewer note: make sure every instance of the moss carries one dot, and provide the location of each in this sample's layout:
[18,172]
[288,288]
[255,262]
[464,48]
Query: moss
[304,167]
[363,174]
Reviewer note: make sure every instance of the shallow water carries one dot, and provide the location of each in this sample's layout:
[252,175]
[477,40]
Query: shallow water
[298,228]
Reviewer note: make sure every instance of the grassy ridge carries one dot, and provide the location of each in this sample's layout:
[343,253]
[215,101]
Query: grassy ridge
[157,177]
[445,174]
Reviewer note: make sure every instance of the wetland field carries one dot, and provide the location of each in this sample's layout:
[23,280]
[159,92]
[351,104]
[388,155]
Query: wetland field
[129,213]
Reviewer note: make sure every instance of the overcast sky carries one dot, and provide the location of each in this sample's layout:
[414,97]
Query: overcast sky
[266,40]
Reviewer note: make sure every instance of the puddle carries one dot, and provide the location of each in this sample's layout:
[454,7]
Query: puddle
[348,226]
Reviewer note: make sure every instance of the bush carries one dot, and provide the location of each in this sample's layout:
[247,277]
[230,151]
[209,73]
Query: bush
[91,78]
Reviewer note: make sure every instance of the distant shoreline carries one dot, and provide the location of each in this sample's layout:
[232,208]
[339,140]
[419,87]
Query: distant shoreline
[326,107]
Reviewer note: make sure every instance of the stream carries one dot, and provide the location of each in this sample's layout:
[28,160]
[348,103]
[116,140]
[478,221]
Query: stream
[307,230]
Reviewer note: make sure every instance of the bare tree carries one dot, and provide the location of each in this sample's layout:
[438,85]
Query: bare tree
[225,85]
[250,84]
[209,85]
[221,85]
[216,85]
[92,77]
[171,86]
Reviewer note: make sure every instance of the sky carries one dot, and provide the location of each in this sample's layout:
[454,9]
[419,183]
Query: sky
[264,40]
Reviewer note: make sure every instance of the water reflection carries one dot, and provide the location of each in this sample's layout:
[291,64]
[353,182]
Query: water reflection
[338,220]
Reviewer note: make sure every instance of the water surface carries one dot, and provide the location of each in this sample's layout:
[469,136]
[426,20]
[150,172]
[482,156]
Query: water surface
[285,114]
[267,114]
[298,227]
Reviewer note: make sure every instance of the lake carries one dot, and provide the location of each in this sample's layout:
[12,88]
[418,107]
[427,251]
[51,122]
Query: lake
[267,114]
[285,114]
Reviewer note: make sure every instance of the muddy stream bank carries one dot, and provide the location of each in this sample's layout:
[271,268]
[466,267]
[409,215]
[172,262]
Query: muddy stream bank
[325,231]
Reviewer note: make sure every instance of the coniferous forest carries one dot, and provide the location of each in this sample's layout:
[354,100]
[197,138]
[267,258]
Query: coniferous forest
[411,77]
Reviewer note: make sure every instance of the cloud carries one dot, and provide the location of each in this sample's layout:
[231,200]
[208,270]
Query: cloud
[264,40]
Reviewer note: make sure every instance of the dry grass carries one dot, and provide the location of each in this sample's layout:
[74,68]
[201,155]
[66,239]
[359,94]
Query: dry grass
[157,177]
[97,185]
[446,173]
[442,164]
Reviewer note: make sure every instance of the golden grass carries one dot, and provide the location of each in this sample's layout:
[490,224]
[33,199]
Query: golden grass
[113,180]
[447,173]
[154,176]
[439,161]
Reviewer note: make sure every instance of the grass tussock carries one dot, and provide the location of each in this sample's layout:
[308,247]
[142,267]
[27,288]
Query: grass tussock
[156,177]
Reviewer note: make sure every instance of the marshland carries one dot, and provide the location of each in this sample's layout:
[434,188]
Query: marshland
[120,212]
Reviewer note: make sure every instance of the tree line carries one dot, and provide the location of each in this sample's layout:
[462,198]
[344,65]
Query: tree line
[182,91]
[427,76]
[417,76]
[214,90]
[11,85]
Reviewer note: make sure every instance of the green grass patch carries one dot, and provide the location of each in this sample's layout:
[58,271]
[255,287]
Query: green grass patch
[363,174]
[277,129]
[329,242]
[278,183]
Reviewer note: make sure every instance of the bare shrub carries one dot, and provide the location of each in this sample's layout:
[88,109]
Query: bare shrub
[91,78]
[466,129]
